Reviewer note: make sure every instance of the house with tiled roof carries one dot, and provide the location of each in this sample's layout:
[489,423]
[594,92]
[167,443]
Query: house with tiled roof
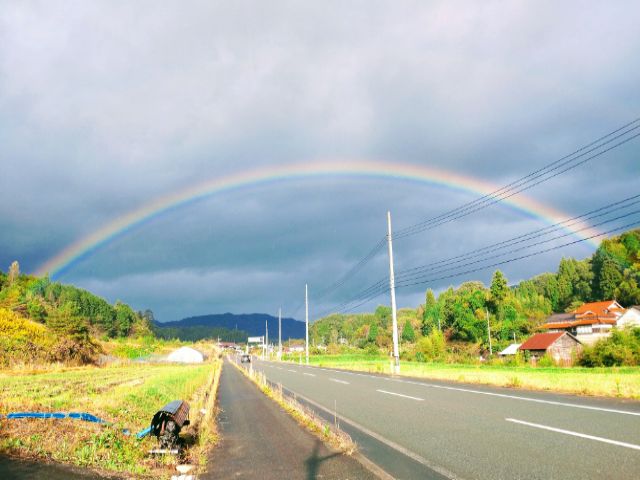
[561,346]
[589,322]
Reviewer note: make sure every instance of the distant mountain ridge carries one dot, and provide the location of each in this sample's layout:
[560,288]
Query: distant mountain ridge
[252,323]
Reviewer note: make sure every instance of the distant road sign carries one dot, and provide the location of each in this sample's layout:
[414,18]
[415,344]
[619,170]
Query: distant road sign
[255,340]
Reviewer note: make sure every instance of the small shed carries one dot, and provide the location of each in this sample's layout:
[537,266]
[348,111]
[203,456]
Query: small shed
[186,355]
[510,350]
[561,346]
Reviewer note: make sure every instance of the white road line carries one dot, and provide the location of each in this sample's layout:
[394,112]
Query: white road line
[499,395]
[309,374]
[575,434]
[525,399]
[380,438]
[294,371]
[401,395]
[339,381]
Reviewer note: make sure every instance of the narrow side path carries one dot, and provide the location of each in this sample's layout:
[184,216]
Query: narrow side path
[259,440]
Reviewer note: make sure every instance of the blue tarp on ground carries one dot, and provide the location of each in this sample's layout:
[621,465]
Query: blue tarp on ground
[87,417]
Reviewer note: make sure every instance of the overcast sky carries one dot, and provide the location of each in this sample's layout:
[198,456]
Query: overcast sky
[105,106]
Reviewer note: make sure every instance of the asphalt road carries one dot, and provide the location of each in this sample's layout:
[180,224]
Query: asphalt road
[473,432]
[260,440]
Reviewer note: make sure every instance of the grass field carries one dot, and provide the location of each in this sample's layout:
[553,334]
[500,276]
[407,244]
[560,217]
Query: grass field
[127,396]
[623,382]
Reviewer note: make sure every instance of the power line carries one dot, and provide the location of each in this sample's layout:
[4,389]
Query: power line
[406,277]
[440,269]
[508,191]
[521,257]
[353,270]
[528,237]
[484,267]
[560,166]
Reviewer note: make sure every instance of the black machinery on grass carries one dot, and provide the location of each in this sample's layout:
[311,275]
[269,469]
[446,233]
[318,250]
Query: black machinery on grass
[167,423]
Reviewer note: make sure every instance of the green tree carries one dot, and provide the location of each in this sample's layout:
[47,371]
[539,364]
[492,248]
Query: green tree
[627,291]
[373,333]
[498,291]
[608,278]
[408,334]
[431,313]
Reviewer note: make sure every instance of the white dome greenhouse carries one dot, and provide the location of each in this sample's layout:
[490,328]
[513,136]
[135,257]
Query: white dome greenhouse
[186,355]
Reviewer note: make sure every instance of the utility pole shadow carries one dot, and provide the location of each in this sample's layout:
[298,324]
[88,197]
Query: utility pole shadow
[313,462]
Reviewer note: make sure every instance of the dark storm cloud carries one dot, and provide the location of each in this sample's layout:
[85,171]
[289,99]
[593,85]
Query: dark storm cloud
[105,106]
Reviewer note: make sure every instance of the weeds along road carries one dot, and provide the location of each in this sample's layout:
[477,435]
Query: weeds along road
[260,440]
[469,431]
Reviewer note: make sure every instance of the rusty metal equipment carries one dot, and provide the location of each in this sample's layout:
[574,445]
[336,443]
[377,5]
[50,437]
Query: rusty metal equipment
[167,423]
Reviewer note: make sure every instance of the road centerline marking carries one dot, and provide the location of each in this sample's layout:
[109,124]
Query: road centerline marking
[289,370]
[492,394]
[575,434]
[339,381]
[400,395]
[309,374]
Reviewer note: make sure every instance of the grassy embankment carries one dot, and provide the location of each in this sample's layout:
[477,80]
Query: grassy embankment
[623,382]
[127,395]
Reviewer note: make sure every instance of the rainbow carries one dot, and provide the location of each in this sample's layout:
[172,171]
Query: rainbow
[89,244]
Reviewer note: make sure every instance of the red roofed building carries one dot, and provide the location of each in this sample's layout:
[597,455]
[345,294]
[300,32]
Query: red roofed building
[588,323]
[561,346]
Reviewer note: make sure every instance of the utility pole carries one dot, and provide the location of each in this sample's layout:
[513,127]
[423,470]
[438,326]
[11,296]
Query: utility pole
[280,334]
[489,332]
[306,325]
[392,285]
[266,339]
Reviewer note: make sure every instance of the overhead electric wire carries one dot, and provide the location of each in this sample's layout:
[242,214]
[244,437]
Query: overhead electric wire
[541,175]
[545,230]
[509,191]
[404,276]
[502,254]
[353,270]
[348,305]
[521,257]
[600,212]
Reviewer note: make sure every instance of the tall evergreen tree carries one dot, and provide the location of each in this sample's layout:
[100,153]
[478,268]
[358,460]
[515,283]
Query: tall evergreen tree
[408,334]
[498,292]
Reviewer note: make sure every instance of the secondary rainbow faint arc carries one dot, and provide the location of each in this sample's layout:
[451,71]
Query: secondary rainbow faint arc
[400,171]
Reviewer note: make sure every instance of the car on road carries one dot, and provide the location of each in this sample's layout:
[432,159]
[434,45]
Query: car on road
[245,358]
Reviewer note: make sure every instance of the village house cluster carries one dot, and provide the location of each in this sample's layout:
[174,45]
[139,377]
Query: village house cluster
[566,333]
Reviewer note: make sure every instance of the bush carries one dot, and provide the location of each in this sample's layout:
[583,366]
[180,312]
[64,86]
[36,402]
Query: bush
[26,341]
[621,349]
[433,346]
[546,361]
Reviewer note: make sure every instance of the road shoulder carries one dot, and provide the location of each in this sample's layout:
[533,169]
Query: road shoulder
[259,440]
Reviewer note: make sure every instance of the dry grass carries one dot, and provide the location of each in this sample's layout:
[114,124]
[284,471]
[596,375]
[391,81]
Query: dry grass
[127,396]
[621,382]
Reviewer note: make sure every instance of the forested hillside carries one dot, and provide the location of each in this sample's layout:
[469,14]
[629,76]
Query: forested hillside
[230,327]
[460,313]
[48,321]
